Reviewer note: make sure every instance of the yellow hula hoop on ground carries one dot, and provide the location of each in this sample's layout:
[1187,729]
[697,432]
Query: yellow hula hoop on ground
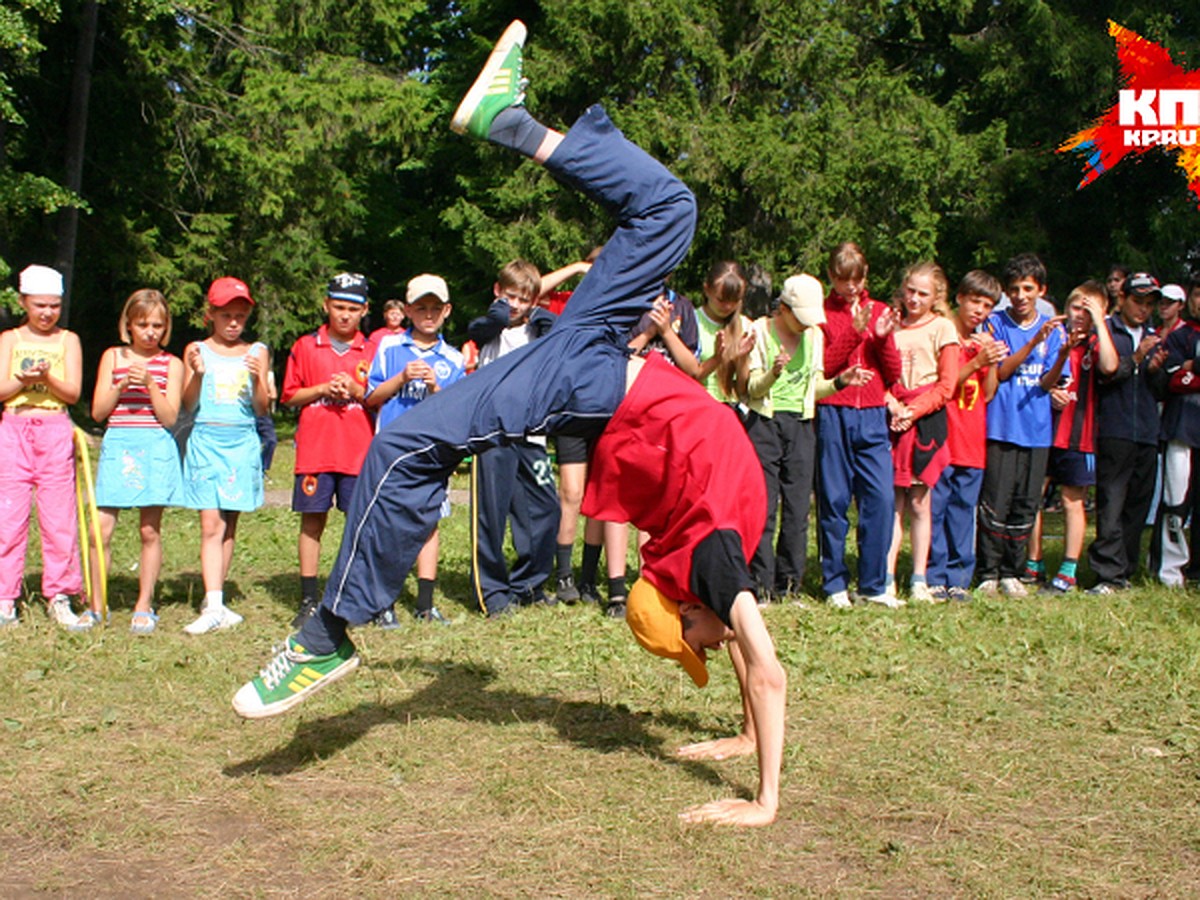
[85,486]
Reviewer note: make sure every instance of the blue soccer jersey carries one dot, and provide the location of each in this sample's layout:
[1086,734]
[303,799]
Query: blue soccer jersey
[1020,412]
[397,351]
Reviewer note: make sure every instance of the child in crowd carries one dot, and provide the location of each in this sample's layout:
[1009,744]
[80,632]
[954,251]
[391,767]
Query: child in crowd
[1019,427]
[1088,352]
[1114,284]
[551,298]
[956,495]
[393,321]
[854,448]
[1175,555]
[1170,309]
[409,368]
[694,593]
[726,335]
[41,367]
[138,389]
[225,385]
[514,481]
[1127,434]
[785,380]
[326,379]
[928,344]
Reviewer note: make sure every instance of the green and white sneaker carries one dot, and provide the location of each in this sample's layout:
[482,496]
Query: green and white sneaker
[291,677]
[498,86]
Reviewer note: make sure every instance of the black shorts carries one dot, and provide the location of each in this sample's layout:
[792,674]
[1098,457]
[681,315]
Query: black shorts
[570,449]
[1072,468]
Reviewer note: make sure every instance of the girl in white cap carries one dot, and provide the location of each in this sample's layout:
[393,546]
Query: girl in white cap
[41,374]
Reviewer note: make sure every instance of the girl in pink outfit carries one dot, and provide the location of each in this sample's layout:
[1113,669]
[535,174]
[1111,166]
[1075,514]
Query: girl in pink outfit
[41,374]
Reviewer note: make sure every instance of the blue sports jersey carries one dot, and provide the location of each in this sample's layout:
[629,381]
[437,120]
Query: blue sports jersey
[394,353]
[1020,412]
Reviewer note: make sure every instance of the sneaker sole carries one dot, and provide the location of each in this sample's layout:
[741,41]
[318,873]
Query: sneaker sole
[279,707]
[513,34]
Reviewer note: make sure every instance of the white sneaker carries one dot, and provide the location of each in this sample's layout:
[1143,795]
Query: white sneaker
[1012,587]
[840,600]
[891,601]
[214,618]
[989,587]
[59,609]
[920,593]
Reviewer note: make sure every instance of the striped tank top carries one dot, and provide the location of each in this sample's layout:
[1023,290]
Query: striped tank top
[134,409]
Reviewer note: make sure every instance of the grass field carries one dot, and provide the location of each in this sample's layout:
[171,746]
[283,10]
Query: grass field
[999,749]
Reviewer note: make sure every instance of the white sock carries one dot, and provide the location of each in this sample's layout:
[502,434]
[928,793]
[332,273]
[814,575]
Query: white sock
[213,600]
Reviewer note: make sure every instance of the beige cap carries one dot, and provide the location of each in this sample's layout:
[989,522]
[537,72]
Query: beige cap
[427,284]
[805,298]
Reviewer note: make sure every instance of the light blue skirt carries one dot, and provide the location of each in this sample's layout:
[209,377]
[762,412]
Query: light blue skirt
[138,467]
[222,468]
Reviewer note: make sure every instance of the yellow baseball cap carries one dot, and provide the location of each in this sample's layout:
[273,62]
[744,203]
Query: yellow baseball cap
[655,621]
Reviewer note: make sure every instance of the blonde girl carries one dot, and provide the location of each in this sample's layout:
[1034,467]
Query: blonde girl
[138,388]
[928,346]
[41,374]
[225,383]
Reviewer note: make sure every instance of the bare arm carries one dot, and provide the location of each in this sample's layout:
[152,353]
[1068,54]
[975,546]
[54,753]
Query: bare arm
[106,394]
[552,280]
[193,374]
[764,695]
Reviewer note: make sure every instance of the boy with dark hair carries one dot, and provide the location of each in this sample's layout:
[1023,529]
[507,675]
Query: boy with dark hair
[1018,427]
[326,379]
[956,495]
[1127,433]
[514,481]
[408,368]
[655,463]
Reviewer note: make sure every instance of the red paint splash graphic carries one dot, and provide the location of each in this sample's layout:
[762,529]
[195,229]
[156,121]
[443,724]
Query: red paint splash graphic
[1158,108]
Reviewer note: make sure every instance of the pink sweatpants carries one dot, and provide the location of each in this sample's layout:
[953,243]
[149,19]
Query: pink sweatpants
[38,452]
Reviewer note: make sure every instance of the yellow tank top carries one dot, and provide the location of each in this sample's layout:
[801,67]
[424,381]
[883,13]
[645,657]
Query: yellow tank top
[28,353]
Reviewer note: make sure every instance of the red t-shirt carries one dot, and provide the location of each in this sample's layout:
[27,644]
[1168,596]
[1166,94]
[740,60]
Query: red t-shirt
[966,415]
[678,465]
[332,436]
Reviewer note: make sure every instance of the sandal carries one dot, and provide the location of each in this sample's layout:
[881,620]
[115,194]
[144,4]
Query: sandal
[85,621]
[143,622]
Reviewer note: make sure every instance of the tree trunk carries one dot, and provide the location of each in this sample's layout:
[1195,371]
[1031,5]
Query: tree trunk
[77,117]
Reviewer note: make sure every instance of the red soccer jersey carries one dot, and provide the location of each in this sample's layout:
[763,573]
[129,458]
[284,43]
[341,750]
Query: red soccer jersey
[1074,424]
[967,415]
[679,466]
[332,435]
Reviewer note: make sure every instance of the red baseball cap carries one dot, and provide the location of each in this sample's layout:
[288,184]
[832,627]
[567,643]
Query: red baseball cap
[225,290]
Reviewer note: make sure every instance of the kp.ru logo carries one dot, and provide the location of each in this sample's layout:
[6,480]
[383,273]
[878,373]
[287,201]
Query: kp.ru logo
[1158,107]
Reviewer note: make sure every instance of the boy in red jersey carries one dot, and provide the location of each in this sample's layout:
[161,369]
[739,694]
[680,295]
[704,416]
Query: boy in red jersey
[326,379]
[956,495]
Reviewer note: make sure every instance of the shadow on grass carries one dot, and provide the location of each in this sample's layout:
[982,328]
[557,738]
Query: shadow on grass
[461,692]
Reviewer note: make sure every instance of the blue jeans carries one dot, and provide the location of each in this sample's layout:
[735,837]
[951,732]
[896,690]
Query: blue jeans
[854,451]
[569,381]
[952,548]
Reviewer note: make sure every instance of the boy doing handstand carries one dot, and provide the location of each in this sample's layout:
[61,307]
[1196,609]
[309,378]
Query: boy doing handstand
[654,465]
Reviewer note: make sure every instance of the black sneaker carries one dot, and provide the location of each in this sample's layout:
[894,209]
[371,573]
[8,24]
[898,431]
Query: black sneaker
[431,615]
[615,608]
[308,606]
[566,590]
[387,619]
[587,594]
